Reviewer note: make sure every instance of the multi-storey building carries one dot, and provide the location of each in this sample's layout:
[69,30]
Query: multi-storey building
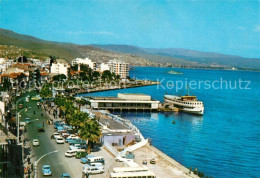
[85,61]
[119,68]
[60,67]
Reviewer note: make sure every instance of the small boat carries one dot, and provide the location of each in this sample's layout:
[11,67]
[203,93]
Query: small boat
[174,72]
[173,122]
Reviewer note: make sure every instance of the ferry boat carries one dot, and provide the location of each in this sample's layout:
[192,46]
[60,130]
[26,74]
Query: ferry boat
[187,103]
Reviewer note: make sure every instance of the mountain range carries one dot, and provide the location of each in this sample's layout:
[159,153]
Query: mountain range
[132,54]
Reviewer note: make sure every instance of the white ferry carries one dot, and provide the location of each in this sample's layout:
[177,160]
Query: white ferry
[189,104]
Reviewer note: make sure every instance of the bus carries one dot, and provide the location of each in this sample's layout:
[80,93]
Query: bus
[130,169]
[142,174]
[132,172]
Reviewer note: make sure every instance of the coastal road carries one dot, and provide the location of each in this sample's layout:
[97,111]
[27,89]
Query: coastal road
[58,162]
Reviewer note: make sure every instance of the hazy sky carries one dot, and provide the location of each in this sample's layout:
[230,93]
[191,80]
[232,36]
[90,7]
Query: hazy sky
[230,27]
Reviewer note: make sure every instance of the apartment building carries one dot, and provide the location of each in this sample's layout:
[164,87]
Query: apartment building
[60,67]
[85,61]
[119,68]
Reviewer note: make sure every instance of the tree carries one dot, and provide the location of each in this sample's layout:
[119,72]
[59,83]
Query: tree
[59,77]
[46,91]
[91,132]
[6,84]
[96,74]
[106,75]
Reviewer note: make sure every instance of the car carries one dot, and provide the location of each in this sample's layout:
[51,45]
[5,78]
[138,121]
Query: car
[96,159]
[81,155]
[65,175]
[84,160]
[78,147]
[65,134]
[60,140]
[60,129]
[122,158]
[40,128]
[93,170]
[70,153]
[27,120]
[72,136]
[55,135]
[76,141]
[36,142]
[46,170]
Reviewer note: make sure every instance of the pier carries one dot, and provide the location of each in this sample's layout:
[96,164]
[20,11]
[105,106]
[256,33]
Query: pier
[125,102]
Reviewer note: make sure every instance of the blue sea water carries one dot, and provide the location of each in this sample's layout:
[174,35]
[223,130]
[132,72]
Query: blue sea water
[225,141]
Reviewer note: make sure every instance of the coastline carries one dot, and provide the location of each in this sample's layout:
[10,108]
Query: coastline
[165,165]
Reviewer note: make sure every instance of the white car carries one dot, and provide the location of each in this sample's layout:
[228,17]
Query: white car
[77,147]
[70,153]
[60,140]
[36,142]
[93,170]
[56,134]
[73,137]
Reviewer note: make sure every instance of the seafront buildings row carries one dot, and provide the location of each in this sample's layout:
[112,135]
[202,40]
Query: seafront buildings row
[14,67]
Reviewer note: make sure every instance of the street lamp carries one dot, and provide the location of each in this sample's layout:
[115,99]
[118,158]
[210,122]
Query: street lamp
[36,162]
[18,122]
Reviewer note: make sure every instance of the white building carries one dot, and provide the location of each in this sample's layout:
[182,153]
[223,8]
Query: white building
[2,112]
[5,64]
[85,61]
[119,68]
[60,67]
[36,62]
[124,101]
[103,67]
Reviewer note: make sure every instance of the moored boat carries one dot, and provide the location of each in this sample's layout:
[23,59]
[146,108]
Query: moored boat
[189,104]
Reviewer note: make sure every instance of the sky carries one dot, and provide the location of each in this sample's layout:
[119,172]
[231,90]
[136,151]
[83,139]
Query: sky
[223,26]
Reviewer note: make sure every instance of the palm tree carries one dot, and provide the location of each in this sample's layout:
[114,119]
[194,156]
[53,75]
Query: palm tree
[90,132]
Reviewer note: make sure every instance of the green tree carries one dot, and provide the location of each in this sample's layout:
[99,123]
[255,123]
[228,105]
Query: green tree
[90,132]
[59,77]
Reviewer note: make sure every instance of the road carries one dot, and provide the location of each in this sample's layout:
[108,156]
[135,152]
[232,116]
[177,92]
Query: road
[58,162]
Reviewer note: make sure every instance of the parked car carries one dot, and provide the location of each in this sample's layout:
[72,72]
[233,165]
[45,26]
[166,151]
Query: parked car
[36,142]
[60,140]
[65,175]
[55,135]
[81,155]
[72,136]
[60,129]
[46,170]
[96,159]
[65,134]
[76,141]
[27,120]
[84,160]
[121,158]
[93,170]
[78,147]
[70,153]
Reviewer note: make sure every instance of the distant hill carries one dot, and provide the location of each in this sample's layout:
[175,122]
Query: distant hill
[31,46]
[185,56]
[67,51]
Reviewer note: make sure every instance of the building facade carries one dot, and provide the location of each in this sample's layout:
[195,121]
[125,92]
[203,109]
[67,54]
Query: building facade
[119,68]
[85,61]
[60,67]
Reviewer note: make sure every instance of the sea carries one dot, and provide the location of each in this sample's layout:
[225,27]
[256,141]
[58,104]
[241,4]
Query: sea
[225,141]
